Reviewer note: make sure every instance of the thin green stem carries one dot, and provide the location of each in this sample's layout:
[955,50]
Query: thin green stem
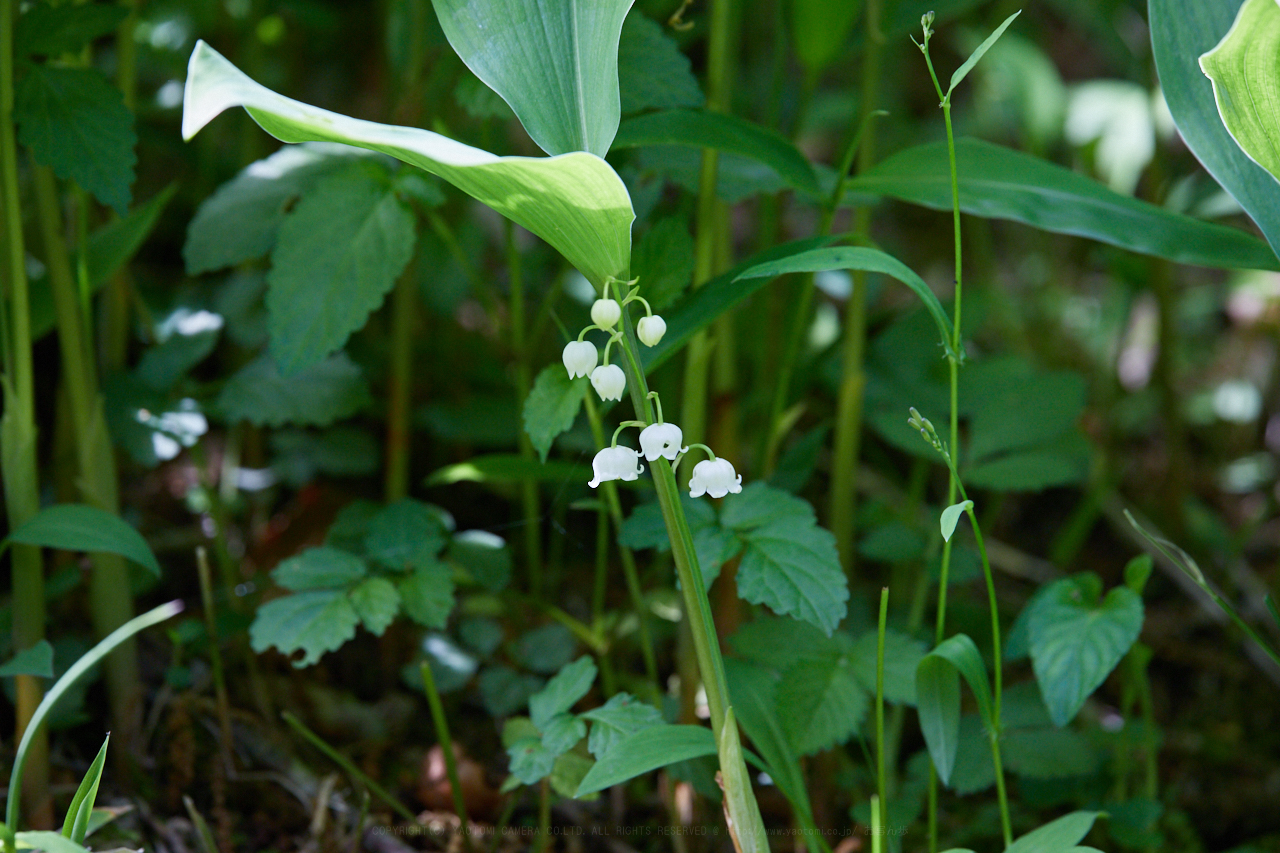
[404,304]
[882,786]
[530,500]
[346,764]
[441,723]
[543,838]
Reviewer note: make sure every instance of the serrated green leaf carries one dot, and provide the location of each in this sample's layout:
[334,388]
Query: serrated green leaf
[427,594]
[753,691]
[546,649]
[938,697]
[576,202]
[621,716]
[329,391]
[377,603]
[485,556]
[530,760]
[336,256]
[405,534]
[76,123]
[714,546]
[645,750]
[319,568]
[1075,641]
[645,527]
[562,732]
[779,642]
[902,655]
[1246,82]
[759,504]
[35,660]
[77,527]
[794,570]
[313,622]
[1048,753]
[351,526]
[859,258]
[112,245]
[951,517]
[1182,30]
[555,63]
[652,72]
[45,30]
[240,220]
[820,30]
[505,691]
[1000,183]
[552,406]
[1060,836]
[821,703]
[663,262]
[569,771]
[722,132]
[963,71]
[562,691]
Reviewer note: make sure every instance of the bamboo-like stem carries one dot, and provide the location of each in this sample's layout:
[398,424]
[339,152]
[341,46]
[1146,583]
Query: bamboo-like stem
[110,597]
[18,437]
[441,723]
[404,303]
[530,500]
[882,786]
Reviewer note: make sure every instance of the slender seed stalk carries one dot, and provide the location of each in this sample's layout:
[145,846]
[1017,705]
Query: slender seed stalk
[18,434]
[441,723]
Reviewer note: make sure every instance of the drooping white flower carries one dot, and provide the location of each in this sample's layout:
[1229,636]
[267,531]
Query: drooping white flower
[615,463]
[714,477]
[651,329]
[608,380]
[580,358]
[605,313]
[661,440]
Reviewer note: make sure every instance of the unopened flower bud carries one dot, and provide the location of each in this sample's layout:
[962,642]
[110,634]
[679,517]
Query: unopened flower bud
[650,330]
[609,381]
[605,313]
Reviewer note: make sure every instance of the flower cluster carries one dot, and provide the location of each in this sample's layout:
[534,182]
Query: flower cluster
[715,477]
[580,357]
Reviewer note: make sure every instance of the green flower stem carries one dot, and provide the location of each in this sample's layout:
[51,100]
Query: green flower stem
[109,592]
[853,380]
[404,303]
[882,787]
[629,573]
[18,429]
[530,500]
[346,764]
[441,722]
[223,705]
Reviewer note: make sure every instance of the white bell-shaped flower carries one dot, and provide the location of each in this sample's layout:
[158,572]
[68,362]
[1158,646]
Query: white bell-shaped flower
[580,358]
[651,329]
[615,463]
[714,477]
[608,380]
[661,440]
[605,313]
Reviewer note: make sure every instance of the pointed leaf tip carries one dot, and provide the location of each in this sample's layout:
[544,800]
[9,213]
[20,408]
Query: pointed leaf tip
[951,517]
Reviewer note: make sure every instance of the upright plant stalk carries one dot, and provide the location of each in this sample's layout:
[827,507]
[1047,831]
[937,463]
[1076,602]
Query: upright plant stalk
[529,498]
[18,449]
[441,723]
[109,593]
[404,303]
[881,773]
[853,380]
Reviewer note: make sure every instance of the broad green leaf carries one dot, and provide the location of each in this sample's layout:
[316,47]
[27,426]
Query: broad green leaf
[1001,183]
[530,760]
[45,30]
[426,594]
[554,61]
[742,812]
[325,392]
[112,245]
[963,71]
[1048,753]
[902,655]
[820,30]
[702,306]
[552,406]
[714,546]
[780,642]
[1060,836]
[821,703]
[645,528]
[951,517]
[162,365]
[505,468]
[652,72]
[77,527]
[336,256]
[313,622]
[562,732]
[703,129]
[484,555]
[938,697]
[35,660]
[342,451]
[1075,640]
[49,842]
[376,602]
[569,771]
[663,262]
[319,568]
[794,570]
[76,824]
[1001,395]
[76,123]
[621,716]
[546,649]
[858,258]
[505,691]
[1182,30]
[576,202]
[1028,471]
[753,692]
[759,504]
[1245,70]
[569,685]
[405,534]
[240,220]
[647,749]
